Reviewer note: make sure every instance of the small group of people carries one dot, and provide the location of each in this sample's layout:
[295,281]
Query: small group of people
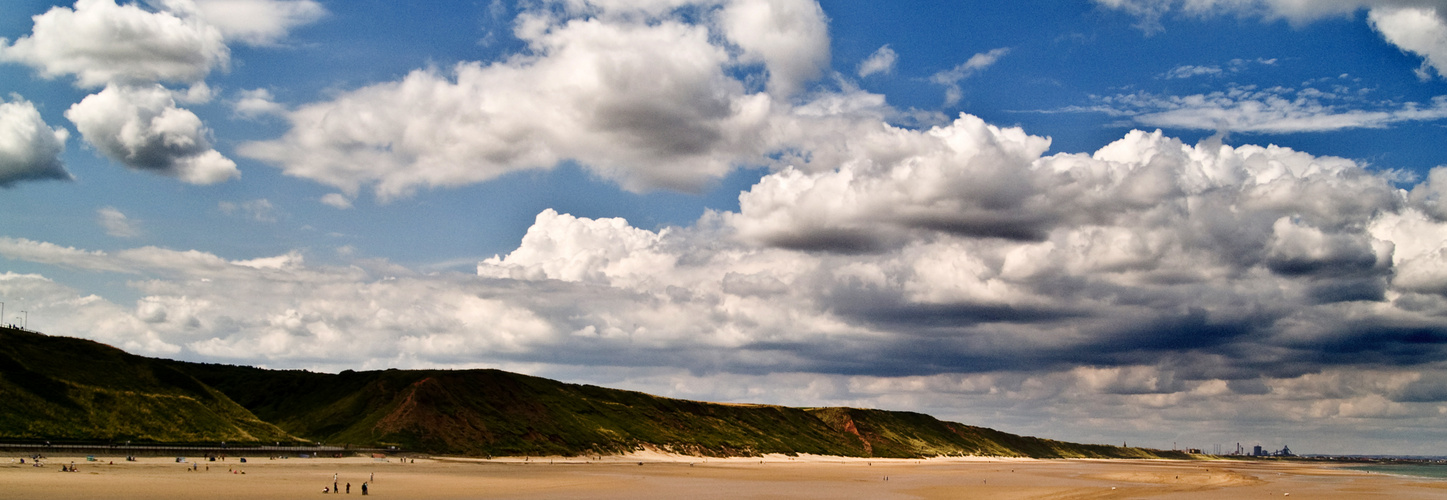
[35,460]
[334,489]
[69,468]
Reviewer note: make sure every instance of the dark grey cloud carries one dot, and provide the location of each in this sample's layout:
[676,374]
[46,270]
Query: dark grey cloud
[1424,390]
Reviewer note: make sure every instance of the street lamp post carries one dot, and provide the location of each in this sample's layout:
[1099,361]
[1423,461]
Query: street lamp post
[26,324]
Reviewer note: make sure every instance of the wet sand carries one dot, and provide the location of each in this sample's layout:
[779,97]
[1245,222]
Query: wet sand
[662,476]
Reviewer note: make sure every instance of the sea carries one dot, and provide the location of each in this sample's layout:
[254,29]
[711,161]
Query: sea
[1431,471]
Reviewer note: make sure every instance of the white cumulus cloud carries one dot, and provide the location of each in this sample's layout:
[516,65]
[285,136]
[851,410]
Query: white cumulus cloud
[592,251]
[647,102]
[791,38]
[1421,31]
[968,178]
[178,41]
[141,128]
[100,42]
[131,49]
[29,149]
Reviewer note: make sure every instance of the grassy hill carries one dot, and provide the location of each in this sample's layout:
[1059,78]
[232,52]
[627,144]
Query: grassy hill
[84,390]
[72,389]
[491,412]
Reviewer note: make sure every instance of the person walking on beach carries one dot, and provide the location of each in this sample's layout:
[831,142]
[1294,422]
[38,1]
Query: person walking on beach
[349,488]
[364,488]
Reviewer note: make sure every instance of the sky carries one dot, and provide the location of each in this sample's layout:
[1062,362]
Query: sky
[1164,223]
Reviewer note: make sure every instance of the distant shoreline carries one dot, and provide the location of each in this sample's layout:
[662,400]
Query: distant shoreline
[1431,471]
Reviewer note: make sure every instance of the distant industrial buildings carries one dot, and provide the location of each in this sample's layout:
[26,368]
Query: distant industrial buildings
[1258,451]
[1240,451]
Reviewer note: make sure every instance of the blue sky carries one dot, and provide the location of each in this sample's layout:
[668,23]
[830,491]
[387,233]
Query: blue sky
[1213,220]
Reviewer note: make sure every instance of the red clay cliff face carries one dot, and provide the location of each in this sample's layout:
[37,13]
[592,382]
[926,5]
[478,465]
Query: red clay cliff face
[848,426]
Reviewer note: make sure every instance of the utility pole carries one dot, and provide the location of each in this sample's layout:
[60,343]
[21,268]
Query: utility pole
[25,325]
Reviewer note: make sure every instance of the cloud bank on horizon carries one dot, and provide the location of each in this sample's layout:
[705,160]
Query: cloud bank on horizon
[886,256]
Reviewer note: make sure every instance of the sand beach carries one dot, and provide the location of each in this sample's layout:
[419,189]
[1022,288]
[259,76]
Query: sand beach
[669,476]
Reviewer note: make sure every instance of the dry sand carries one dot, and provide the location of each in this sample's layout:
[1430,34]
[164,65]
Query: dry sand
[671,476]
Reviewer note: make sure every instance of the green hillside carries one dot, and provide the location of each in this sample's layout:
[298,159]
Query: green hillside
[72,389]
[491,412]
[78,389]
